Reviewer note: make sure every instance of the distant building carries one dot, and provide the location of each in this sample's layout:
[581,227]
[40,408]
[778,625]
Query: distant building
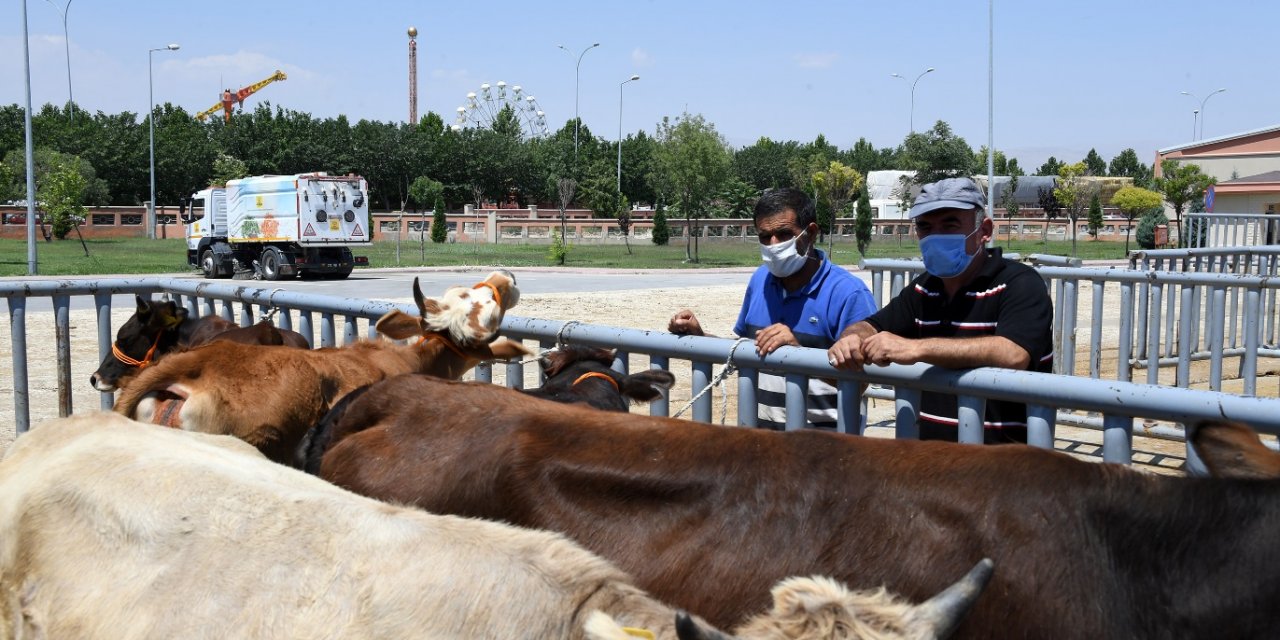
[1247,166]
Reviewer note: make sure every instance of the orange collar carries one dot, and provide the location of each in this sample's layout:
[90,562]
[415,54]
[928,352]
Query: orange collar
[445,341]
[144,362]
[497,297]
[596,374]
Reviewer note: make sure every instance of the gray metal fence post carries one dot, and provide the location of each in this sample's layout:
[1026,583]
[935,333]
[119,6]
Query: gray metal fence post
[102,301]
[1117,439]
[906,413]
[661,406]
[701,378]
[62,342]
[970,411]
[797,414]
[18,338]
[748,409]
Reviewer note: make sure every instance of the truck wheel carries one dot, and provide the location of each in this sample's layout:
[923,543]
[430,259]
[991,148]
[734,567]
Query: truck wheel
[209,264]
[271,259]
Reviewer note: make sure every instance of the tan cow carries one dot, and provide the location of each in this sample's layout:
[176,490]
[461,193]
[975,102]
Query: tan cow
[270,396]
[114,529]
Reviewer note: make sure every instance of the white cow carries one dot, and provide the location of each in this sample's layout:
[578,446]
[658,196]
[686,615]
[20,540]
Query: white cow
[116,529]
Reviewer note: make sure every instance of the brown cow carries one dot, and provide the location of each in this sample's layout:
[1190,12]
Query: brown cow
[114,530]
[575,374]
[707,517]
[271,396]
[157,329]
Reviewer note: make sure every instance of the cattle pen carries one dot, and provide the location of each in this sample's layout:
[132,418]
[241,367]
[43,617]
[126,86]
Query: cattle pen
[1118,408]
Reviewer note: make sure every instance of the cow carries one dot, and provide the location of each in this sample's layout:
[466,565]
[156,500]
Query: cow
[157,329]
[574,374]
[707,517]
[115,529]
[270,396]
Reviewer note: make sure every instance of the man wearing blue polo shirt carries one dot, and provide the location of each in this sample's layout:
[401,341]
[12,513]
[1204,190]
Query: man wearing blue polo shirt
[797,297]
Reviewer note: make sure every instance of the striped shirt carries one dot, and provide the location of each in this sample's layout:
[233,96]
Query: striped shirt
[1006,299]
[816,314]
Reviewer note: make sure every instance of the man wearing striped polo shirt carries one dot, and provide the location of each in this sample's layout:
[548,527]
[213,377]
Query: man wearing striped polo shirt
[797,297]
[972,308]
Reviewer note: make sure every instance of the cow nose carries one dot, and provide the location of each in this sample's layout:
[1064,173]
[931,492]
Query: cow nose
[93,379]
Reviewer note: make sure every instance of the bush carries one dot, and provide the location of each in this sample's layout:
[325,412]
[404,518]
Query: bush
[1146,232]
[439,227]
[661,233]
[559,248]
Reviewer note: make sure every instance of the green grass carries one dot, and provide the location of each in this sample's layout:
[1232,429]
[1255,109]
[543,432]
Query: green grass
[141,256]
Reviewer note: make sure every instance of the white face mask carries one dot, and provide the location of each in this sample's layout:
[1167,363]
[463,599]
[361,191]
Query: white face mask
[782,259]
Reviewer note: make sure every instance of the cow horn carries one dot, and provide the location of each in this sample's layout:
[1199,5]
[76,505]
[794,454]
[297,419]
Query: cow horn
[418,298]
[688,629]
[944,612]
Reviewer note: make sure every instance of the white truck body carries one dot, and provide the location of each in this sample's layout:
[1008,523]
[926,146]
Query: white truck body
[279,226]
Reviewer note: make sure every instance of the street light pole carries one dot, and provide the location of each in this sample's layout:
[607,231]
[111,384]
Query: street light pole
[66,40]
[151,119]
[624,82]
[913,95]
[1195,119]
[1201,111]
[29,152]
[576,122]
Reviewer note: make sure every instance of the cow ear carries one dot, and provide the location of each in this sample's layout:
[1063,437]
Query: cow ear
[689,629]
[647,386]
[174,316]
[426,306]
[398,325]
[505,349]
[1233,450]
[144,307]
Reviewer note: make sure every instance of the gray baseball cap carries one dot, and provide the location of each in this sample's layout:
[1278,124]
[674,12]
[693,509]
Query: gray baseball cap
[949,193]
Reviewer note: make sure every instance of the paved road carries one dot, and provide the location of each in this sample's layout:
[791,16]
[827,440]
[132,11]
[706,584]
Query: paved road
[388,284]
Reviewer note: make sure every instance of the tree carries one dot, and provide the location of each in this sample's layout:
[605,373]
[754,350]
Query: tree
[661,232]
[47,161]
[693,162]
[766,164]
[1051,167]
[1094,165]
[624,220]
[1009,199]
[1000,163]
[936,154]
[866,158]
[559,244]
[1151,219]
[424,191]
[1070,193]
[1180,184]
[1133,201]
[739,198]
[60,196]
[439,226]
[227,168]
[836,185]
[1051,207]
[1126,165]
[862,225]
[1095,214]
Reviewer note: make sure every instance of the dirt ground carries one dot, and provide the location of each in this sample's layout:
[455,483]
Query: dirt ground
[716,307]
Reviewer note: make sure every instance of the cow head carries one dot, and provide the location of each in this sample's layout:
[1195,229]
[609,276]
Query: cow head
[151,330]
[578,374]
[1233,450]
[820,608]
[465,319]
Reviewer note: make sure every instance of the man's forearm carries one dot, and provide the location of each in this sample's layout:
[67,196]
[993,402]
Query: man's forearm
[861,328]
[964,353]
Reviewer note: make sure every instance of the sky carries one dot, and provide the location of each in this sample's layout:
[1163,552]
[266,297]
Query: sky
[1069,76]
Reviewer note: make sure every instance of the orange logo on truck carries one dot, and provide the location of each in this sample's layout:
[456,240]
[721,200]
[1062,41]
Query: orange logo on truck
[269,226]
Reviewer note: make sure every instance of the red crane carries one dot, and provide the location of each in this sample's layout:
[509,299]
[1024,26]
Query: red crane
[230,99]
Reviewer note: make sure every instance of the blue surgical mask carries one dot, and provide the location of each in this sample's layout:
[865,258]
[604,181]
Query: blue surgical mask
[945,255]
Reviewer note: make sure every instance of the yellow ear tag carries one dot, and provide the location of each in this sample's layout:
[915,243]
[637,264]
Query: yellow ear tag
[172,321]
[639,633]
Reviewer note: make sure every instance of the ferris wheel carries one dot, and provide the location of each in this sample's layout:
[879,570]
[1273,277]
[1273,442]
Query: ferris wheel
[483,106]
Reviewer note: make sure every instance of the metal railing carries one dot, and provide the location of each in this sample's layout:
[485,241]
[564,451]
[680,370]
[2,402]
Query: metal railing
[1231,229]
[339,321]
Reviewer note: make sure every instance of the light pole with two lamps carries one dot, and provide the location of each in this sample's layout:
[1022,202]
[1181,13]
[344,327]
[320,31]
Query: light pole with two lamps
[624,82]
[576,122]
[913,95]
[66,40]
[1201,110]
[151,118]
